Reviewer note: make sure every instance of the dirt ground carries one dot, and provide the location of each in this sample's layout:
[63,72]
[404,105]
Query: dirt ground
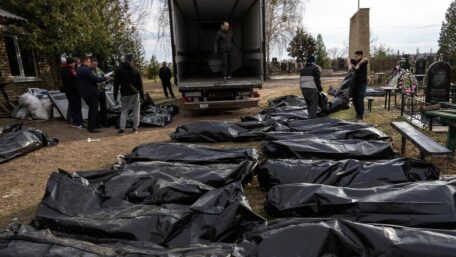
[23,180]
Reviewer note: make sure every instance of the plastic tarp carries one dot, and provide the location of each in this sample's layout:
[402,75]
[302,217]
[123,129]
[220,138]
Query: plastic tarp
[341,99]
[288,100]
[416,204]
[316,148]
[282,238]
[190,153]
[104,208]
[225,132]
[328,128]
[282,109]
[215,175]
[159,115]
[288,112]
[345,173]
[26,241]
[324,128]
[151,115]
[15,142]
[341,238]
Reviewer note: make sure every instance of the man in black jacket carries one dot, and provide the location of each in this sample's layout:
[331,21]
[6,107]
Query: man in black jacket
[224,42]
[129,80]
[310,83]
[86,83]
[359,66]
[68,75]
[165,76]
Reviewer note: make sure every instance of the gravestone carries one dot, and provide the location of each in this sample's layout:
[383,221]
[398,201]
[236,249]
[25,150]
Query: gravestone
[420,67]
[438,83]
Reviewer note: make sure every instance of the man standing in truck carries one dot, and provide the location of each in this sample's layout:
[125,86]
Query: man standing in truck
[224,42]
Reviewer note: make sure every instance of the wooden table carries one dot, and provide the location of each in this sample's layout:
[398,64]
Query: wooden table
[388,91]
[448,117]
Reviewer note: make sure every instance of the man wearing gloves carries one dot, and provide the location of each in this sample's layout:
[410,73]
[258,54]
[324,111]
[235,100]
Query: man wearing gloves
[359,66]
[128,79]
[86,83]
[311,85]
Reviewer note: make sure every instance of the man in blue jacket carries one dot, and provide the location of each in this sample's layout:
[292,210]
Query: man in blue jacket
[86,83]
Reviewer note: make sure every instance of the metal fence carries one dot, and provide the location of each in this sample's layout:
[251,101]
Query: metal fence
[412,105]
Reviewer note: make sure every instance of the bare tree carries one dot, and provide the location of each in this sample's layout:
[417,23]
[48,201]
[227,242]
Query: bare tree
[282,19]
[334,53]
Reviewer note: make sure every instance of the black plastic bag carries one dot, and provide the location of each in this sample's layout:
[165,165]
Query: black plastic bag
[216,175]
[156,119]
[328,128]
[157,115]
[288,112]
[72,205]
[154,188]
[208,132]
[315,148]
[288,100]
[314,124]
[15,142]
[345,173]
[265,118]
[341,100]
[26,241]
[189,153]
[418,204]
[151,115]
[341,238]
[338,132]
[225,132]
[323,103]
[10,129]
[222,215]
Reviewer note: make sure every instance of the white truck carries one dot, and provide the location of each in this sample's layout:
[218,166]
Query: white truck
[198,70]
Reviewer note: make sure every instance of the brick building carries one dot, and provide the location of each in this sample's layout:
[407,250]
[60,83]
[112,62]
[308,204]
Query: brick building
[22,67]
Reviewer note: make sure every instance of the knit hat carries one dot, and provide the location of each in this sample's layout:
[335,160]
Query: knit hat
[129,57]
[311,59]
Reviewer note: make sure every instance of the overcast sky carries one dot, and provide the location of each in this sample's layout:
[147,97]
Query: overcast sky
[403,25]
[400,24]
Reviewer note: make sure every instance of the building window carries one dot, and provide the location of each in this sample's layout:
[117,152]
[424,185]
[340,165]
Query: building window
[21,59]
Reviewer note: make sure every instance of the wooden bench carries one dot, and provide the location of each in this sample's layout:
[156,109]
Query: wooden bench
[447,105]
[425,144]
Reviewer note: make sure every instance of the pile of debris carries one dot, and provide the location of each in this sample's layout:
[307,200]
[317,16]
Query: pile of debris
[43,105]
